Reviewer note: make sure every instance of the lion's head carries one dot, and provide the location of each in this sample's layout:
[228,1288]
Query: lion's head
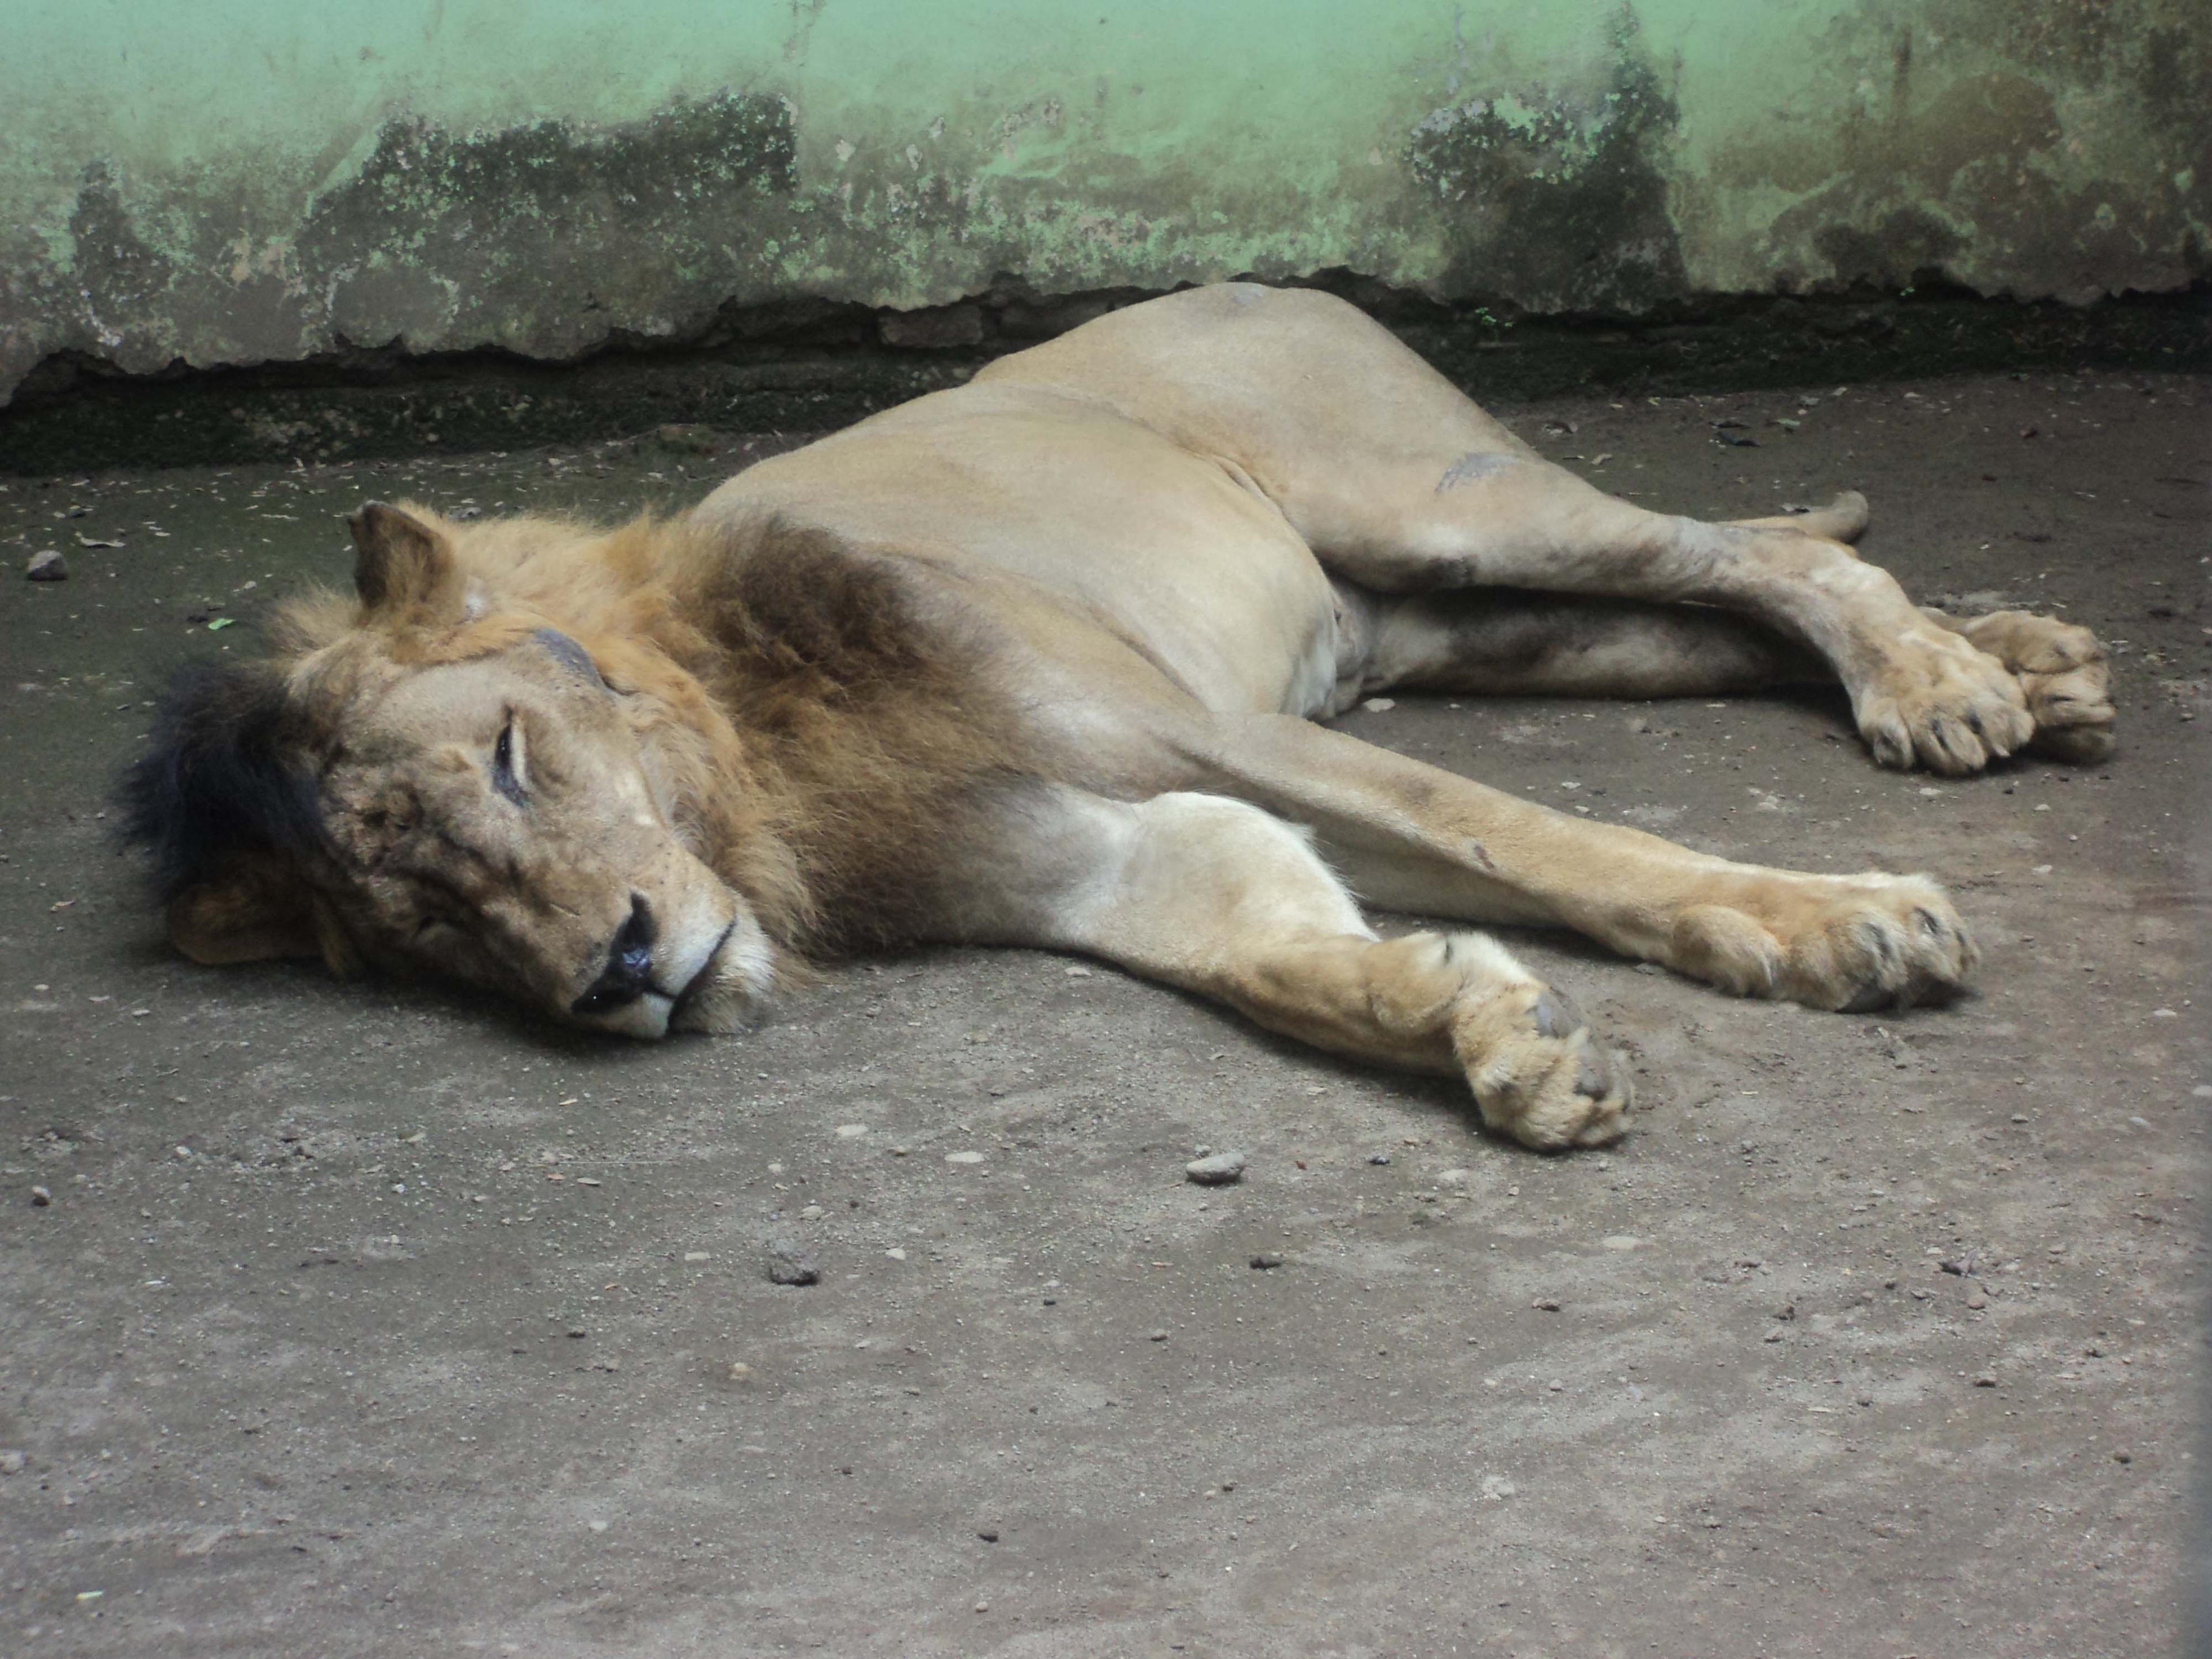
[436,777]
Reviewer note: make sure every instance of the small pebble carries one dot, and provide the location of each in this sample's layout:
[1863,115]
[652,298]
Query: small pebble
[740,1372]
[1219,1170]
[1156,1336]
[1379,705]
[41,1198]
[851,1131]
[11,1463]
[1265,1259]
[46,566]
[988,1534]
[2117,1457]
[1977,1301]
[1378,1157]
[1078,973]
[789,1264]
[1985,1381]
[1545,1305]
[811,1213]
[964,1157]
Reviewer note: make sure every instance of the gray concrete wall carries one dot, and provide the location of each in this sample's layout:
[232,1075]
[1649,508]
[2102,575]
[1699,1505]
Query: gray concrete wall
[264,182]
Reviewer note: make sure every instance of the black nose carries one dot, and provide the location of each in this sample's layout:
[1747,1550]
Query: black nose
[628,972]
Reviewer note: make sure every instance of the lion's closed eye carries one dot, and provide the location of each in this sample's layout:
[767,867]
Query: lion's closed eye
[510,764]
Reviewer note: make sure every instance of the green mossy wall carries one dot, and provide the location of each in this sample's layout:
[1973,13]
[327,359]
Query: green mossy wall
[266,182]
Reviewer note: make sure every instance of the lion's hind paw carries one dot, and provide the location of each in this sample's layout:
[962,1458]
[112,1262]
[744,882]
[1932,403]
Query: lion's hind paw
[2064,674]
[1538,1071]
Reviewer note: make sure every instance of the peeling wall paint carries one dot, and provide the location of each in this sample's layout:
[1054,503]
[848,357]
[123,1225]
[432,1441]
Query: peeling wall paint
[266,182]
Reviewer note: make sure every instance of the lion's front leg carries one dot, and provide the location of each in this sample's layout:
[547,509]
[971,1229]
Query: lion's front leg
[1415,839]
[1224,899]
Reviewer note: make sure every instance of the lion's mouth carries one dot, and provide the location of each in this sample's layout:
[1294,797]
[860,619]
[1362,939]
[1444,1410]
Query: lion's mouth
[704,978]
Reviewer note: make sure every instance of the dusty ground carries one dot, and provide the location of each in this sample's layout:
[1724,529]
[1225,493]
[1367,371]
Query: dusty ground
[367,1320]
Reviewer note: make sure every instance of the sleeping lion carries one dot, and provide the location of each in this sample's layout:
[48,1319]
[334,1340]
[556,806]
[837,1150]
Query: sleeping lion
[1036,661]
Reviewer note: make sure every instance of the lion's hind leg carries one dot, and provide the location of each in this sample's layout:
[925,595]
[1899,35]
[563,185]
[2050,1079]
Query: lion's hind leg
[1224,899]
[1511,642]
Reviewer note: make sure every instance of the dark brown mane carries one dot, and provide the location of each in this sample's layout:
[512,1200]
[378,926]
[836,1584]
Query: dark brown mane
[870,724]
[223,775]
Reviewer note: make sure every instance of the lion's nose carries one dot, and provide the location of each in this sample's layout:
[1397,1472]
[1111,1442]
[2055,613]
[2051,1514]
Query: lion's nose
[628,973]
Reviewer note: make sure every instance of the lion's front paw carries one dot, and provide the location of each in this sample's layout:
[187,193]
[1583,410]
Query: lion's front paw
[1938,702]
[1538,1071]
[1852,943]
[2063,673]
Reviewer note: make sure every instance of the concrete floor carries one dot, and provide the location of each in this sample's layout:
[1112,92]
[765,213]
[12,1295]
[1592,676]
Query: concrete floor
[366,1320]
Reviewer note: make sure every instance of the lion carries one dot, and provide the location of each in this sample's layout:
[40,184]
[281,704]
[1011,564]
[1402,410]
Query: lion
[1039,661]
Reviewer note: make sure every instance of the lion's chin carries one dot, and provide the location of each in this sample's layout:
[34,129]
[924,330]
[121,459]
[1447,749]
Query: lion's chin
[731,991]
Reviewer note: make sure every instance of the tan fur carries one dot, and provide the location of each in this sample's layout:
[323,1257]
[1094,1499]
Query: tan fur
[1032,661]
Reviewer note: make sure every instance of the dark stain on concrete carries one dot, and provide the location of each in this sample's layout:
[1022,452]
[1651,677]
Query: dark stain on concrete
[120,278]
[1909,244]
[1955,145]
[439,229]
[1557,198]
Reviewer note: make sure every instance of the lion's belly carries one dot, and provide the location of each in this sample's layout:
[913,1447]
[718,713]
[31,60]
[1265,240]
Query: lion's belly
[1173,554]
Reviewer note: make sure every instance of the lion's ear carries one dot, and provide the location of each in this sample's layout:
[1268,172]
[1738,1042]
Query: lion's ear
[257,908]
[402,563]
